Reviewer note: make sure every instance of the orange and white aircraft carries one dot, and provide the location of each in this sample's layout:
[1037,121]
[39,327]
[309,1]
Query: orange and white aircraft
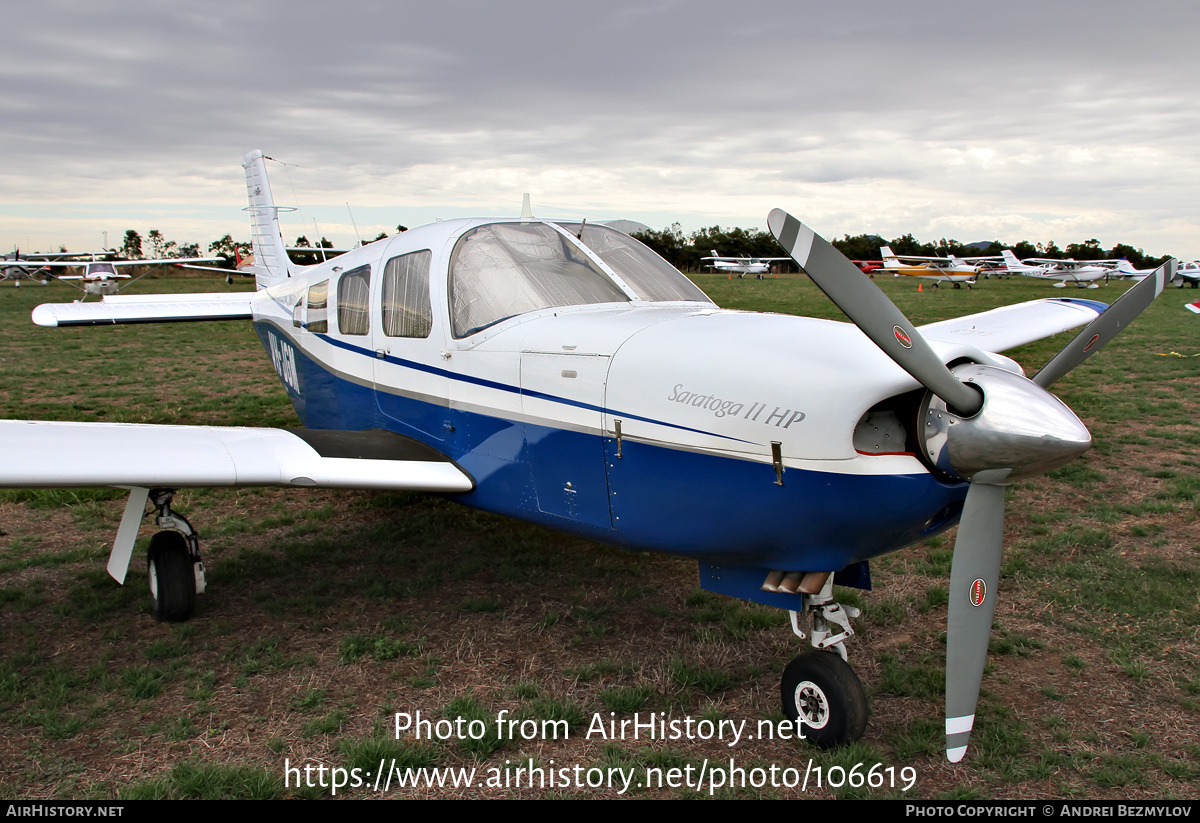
[938,269]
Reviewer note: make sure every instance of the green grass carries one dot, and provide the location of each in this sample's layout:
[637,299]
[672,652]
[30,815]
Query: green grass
[327,611]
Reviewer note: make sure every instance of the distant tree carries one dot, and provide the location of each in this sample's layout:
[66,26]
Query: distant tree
[157,241]
[228,248]
[860,247]
[132,248]
[401,229]
[302,242]
[907,244]
[381,236]
[1086,251]
[1050,250]
[189,250]
[1025,249]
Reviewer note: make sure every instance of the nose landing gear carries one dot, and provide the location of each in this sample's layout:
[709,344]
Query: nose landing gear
[820,693]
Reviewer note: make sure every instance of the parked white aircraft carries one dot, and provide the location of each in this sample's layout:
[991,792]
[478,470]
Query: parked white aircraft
[566,375]
[743,265]
[104,276]
[1082,274]
[938,269]
[17,267]
[1188,273]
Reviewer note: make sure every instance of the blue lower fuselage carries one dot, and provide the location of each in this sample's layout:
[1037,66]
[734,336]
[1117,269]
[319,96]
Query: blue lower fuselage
[651,497]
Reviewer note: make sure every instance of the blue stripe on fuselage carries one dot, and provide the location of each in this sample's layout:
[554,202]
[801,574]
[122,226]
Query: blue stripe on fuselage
[653,498]
[508,387]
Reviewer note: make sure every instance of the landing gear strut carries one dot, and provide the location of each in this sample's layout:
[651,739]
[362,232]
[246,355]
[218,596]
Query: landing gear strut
[174,568]
[819,690]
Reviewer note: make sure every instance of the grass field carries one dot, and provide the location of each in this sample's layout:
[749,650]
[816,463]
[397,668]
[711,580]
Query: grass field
[328,612]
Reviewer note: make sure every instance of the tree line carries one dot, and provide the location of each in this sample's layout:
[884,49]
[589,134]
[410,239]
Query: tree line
[158,247]
[685,251]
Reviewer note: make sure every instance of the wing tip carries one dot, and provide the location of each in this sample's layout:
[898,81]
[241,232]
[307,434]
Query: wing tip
[44,315]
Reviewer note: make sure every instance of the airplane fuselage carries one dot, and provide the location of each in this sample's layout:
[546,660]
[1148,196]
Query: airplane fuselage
[631,422]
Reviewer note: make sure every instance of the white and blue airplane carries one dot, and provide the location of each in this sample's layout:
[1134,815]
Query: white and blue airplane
[564,374]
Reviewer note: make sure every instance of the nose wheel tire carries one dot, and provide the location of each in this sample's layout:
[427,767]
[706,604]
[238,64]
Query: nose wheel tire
[172,577]
[823,695]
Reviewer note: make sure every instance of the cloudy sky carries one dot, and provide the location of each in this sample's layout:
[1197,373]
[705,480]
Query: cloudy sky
[1018,120]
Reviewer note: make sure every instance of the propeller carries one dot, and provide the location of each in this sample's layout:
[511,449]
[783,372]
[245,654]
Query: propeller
[981,424]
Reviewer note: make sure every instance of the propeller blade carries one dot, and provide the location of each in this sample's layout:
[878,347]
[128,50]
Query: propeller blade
[974,575]
[1099,332]
[870,309]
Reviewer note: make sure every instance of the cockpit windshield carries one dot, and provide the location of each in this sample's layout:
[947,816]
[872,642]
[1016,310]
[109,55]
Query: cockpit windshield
[101,268]
[651,277]
[501,270]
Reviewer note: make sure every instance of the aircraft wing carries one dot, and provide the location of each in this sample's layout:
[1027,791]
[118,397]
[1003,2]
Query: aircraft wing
[1011,326]
[146,308]
[161,261]
[71,455]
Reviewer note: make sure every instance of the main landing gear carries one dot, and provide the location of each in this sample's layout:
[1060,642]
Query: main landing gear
[173,565]
[819,690]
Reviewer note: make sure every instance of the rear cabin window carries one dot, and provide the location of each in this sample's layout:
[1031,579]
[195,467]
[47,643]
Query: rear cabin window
[406,311]
[318,306]
[354,290]
[501,270]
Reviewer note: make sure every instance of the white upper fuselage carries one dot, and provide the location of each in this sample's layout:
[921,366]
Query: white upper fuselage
[665,369]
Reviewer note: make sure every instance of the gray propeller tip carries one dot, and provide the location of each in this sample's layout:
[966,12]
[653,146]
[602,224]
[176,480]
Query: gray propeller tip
[795,237]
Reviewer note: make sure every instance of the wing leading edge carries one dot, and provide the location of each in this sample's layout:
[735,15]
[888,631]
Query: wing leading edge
[1010,326]
[72,455]
[147,308]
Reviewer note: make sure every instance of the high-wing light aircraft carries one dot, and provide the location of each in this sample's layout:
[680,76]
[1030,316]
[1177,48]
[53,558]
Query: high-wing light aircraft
[743,265]
[1188,273]
[17,267]
[937,269]
[565,374]
[103,277]
[1082,274]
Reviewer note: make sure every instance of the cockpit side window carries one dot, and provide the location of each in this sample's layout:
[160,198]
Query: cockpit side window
[318,307]
[650,277]
[353,292]
[406,311]
[501,270]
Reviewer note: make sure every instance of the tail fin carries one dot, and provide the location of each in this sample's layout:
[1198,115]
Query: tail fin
[889,257]
[271,264]
[1010,259]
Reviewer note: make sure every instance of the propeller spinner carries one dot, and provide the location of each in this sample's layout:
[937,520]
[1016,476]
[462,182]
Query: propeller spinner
[982,424]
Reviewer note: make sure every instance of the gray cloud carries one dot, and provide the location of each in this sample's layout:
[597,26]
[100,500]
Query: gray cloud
[872,115]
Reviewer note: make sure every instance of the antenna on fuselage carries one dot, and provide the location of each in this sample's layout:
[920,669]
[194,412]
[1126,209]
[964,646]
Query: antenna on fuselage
[352,223]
